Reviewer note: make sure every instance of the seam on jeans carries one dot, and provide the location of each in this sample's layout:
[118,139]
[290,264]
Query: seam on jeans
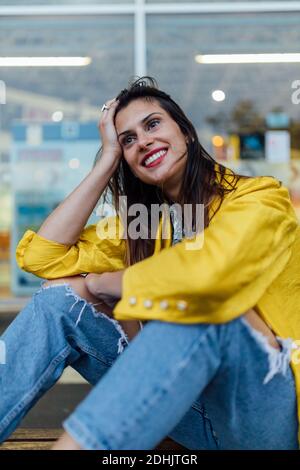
[6,421]
[154,395]
[82,436]
[198,408]
[205,416]
[206,421]
[213,432]
[91,352]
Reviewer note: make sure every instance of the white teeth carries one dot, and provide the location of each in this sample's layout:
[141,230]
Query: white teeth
[154,157]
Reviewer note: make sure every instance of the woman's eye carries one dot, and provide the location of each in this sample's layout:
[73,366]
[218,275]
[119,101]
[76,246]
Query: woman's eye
[153,123]
[127,140]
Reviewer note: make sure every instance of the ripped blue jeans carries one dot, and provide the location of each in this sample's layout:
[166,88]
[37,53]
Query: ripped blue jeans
[206,386]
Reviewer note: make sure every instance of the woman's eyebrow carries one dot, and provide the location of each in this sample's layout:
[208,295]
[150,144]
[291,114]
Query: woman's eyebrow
[141,122]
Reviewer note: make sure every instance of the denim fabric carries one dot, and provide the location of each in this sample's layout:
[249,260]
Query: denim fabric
[206,386]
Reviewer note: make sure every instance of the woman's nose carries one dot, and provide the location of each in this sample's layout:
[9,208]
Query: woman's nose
[145,140]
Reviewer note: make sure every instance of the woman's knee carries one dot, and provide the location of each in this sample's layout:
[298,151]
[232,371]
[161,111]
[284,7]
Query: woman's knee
[78,285]
[53,298]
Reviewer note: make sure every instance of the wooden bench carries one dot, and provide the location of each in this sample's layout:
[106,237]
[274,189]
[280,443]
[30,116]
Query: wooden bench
[43,439]
[31,439]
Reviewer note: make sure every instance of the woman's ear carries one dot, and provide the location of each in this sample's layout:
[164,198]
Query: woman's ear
[187,139]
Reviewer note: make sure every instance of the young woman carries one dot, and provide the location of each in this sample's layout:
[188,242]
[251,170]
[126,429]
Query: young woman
[213,318]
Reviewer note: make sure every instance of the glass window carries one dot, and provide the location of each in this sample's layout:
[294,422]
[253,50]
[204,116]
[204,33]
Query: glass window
[111,56]
[174,41]
[199,1]
[48,126]
[62,2]
[259,97]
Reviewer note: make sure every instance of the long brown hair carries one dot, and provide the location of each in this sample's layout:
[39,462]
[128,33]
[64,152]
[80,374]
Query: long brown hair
[200,184]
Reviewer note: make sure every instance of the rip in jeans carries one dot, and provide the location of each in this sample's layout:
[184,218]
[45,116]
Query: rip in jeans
[279,359]
[123,340]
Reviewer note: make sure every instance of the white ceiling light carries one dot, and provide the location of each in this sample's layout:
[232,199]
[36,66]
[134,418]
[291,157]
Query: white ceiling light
[218,95]
[247,58]
[44,61]
[57,116]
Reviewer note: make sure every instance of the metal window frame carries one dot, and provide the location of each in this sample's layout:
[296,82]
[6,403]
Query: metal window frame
[139,8]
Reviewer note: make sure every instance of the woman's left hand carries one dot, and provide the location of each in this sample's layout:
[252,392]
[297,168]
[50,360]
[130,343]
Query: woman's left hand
[106,284]
[108,287]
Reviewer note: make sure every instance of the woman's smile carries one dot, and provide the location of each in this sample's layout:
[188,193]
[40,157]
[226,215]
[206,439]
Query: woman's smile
[156,157]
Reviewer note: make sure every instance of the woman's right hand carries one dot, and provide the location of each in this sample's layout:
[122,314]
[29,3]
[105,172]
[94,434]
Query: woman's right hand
[111,148]
[66,222]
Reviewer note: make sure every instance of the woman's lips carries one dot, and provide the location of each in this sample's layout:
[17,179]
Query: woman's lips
[157,161]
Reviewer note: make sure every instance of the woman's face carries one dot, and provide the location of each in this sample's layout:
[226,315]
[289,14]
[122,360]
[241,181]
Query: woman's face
[153,145]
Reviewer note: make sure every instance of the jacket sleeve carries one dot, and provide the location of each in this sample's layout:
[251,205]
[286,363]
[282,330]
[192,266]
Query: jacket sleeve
[246,246]
[100,248]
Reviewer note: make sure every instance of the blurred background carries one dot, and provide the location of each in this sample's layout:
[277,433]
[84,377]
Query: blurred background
[234,67]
